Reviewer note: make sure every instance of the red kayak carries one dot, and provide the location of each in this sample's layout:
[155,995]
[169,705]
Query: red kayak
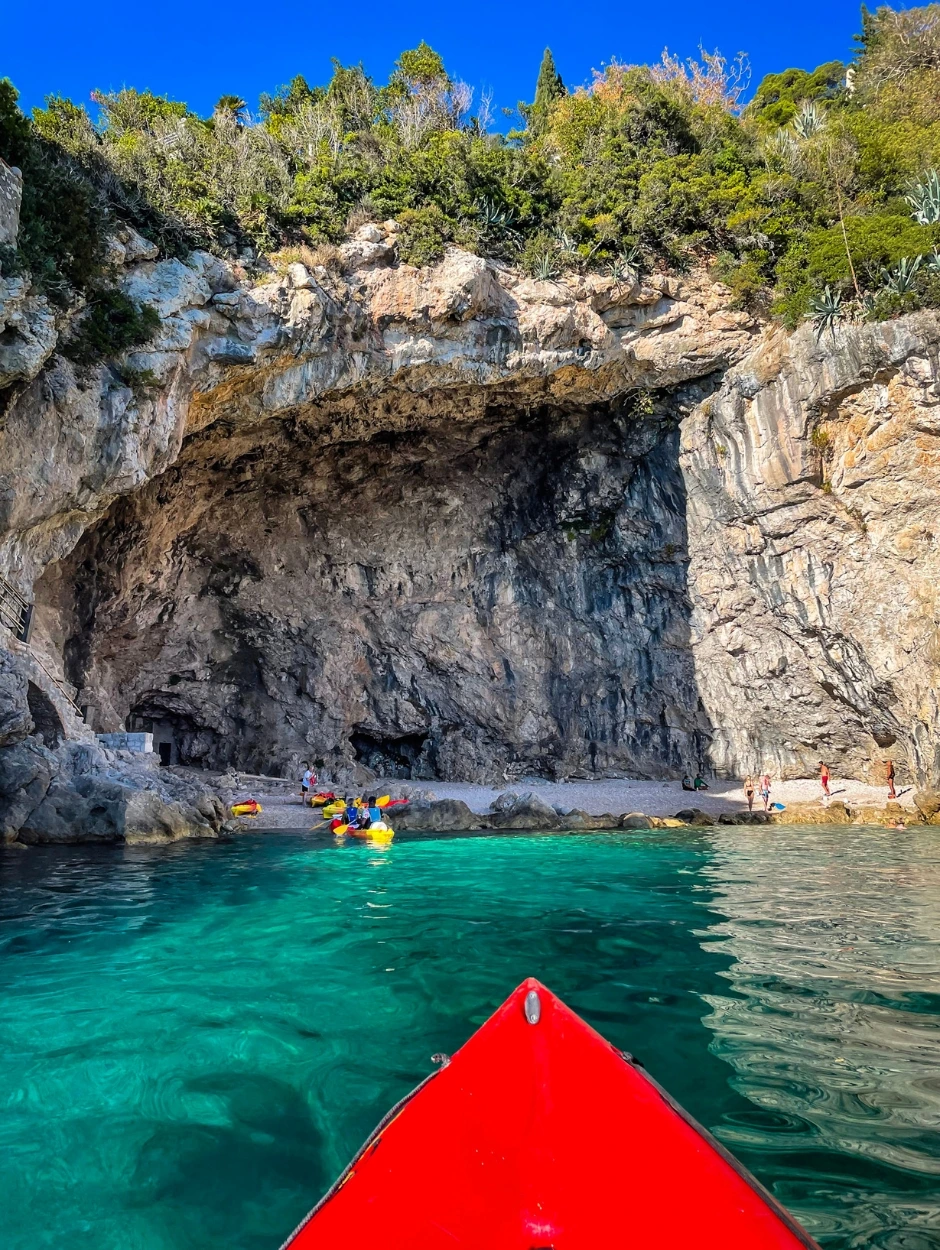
[540,1135]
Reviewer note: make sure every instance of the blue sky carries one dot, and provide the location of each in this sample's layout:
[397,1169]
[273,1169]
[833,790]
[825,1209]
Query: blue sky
[196,51]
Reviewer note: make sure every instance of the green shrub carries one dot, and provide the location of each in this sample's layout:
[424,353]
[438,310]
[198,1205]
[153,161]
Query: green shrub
[657,158]
[746,277]
[112,323]
[779,96]
[63,218]
[541,257]
[424,235]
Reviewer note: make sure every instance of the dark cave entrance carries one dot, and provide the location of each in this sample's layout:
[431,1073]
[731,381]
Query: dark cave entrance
[45,717]
[517,588]
[177,738]
[389,756]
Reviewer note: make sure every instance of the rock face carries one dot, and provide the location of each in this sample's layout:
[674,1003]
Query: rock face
[11,195]
[813,481]
[454,522]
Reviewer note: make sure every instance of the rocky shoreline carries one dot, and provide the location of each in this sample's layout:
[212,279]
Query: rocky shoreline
[512,811]
[528,812]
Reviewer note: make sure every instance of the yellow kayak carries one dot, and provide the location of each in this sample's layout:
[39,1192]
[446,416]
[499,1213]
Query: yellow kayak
[367,835]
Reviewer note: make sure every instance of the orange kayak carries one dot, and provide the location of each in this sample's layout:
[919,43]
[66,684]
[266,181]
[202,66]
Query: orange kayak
[540,1135]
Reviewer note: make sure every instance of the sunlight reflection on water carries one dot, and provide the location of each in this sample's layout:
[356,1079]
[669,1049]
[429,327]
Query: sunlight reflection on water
[833,1029]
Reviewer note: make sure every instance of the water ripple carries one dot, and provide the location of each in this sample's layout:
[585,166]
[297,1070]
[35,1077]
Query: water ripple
[195,1039]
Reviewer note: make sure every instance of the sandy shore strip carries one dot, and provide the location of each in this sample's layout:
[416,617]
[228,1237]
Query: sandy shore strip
[283,810]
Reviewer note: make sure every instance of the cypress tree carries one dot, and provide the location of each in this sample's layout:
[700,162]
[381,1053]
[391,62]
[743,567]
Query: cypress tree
[548,88]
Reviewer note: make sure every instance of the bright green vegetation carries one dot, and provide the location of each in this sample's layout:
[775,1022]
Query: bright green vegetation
[820,196]
[196,1039]
[62,239]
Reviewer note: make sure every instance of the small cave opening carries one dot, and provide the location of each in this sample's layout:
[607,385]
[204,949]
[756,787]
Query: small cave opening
[389,755]
[177,738]
[45,718]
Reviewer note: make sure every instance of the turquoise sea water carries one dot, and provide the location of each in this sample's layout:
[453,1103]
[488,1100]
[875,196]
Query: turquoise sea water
[194,1040]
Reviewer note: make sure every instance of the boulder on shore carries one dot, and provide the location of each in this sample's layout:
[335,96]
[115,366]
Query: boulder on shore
[526,812]
[743,818]
[695,816]
[927,803]
[635,820]
[436,817]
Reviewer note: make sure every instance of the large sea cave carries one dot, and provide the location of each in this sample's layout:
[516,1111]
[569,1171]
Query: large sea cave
[465,599]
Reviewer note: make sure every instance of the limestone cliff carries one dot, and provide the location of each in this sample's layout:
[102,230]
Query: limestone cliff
[814,505]
[454,522]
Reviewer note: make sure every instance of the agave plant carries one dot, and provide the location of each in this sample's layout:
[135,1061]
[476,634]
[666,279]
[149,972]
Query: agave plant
[932,261]
[626,264]
[809,121]
[782,143]
[567,244]
[494,216]
[826,310]
[546,266]
[900,279]
[924,199]
[619,269]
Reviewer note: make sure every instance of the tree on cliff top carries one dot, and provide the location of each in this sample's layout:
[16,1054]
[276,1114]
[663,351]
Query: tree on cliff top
[548,88]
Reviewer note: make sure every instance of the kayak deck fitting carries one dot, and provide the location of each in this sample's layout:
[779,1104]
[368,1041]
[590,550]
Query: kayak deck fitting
[540,1135]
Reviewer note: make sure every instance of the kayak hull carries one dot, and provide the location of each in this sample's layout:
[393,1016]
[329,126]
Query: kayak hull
[540,1135]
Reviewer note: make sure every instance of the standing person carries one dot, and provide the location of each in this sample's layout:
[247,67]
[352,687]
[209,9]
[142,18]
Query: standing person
[824,778]
[749,792]
[765,791]
[307,782]
[889,765]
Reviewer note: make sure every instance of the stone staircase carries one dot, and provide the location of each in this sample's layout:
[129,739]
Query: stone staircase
[16,614]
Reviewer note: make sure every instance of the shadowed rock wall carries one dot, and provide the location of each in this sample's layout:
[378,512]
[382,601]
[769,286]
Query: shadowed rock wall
[468,601]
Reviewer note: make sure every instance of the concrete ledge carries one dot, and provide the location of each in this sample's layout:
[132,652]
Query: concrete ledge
[141,743]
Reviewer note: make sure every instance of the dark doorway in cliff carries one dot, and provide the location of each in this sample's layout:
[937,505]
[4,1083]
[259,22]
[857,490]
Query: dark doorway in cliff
[389,756]
[177,738]
[45,718]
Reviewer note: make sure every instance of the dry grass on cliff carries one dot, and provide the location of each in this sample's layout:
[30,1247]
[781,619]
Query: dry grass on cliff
[323,254]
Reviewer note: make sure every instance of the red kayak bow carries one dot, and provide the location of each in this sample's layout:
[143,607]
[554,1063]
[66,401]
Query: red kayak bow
[540,1135]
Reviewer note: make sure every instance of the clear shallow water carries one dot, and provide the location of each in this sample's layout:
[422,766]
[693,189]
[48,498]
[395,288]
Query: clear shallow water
[195,1040]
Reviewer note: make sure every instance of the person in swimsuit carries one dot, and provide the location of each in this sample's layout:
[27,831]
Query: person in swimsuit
[824,778]
[765,791]
[749,792]
[889,765]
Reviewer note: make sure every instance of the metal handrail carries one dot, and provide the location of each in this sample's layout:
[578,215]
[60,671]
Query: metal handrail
[59,685]
[16,612]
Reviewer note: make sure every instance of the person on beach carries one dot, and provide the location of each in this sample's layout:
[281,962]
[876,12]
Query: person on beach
[749,792]
[687,783]
[699,783]
[765,791]
[889,765]
[307,782]
[824,778]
